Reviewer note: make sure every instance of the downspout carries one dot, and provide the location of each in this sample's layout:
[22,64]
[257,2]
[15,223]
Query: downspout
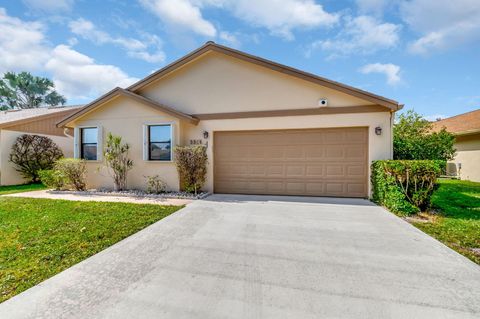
[65,132]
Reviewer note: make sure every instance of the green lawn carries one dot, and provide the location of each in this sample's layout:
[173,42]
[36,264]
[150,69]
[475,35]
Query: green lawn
[20,188]
[458,225]
[41,237]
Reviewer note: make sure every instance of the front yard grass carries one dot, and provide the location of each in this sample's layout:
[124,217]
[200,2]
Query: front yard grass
[458,221]
[20,188]
[41,237]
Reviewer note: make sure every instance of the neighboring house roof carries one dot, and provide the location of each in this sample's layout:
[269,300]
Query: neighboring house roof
[462,124]
[212,46]
[132,91]
[122,92]
[11,118]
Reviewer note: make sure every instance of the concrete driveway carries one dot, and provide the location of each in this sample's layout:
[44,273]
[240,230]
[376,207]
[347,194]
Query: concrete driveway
[264,257]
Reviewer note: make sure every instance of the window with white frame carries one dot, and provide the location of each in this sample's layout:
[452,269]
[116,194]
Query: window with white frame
[89,143]
[159,142]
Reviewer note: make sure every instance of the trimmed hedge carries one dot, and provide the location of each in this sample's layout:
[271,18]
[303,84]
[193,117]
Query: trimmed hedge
[405,186]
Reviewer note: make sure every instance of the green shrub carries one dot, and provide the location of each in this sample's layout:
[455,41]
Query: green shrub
[191,162]
[405,186]
[52,178]
[155,185]
[73,172]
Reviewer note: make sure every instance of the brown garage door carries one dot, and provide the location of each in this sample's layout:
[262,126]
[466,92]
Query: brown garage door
[314,162]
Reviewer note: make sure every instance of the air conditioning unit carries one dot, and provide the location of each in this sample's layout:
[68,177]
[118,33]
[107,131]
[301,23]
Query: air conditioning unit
[323,102]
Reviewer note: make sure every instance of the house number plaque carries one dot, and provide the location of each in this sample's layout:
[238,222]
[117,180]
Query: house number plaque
[196,142]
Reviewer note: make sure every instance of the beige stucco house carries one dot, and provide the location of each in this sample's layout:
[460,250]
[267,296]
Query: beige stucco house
[466,128]
[268,128]
[39,121]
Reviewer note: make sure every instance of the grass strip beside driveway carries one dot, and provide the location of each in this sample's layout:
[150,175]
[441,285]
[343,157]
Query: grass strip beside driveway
[41,237]
[11,189]
[458,223]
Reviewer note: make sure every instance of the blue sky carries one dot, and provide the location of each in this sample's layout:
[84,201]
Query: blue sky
[423,53]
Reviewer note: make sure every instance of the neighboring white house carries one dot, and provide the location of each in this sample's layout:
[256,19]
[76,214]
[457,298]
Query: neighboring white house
[38,121]
[268,128]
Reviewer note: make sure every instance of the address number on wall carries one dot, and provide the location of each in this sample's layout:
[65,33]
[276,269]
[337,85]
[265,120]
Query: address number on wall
[196,142]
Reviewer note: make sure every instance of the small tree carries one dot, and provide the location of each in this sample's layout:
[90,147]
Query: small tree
[414,139]
[32,153]
[116,158]
[191,162]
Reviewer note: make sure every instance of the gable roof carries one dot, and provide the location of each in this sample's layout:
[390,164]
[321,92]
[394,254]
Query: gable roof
[212,46]
[11,118]
[462,124]
[122,92]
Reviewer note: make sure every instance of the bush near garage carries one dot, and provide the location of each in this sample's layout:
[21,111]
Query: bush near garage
[405,186]
[191,162]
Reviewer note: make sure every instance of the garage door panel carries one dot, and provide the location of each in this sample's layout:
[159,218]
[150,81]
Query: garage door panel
[314,154]
[336,170]
[315,162]
[294,152]
[257,170]
[294,171]
[295,187]
[315,170]
[356,170]
[275,171]
[334,152]
[353,152]
[356,188]
[314,188]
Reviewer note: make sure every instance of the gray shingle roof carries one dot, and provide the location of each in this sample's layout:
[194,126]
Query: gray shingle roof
[15,115]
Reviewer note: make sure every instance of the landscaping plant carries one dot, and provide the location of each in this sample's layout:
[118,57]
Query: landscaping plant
[52,178]
[405,186]
[32,153]
[413,139]
[116,158]
[71,173]
[191,162]
[155,185]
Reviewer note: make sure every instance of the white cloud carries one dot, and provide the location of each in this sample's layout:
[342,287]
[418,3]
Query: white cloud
[135,48]
[182,13]
[49,5]
[78,76]
[22,44]
[363,34]
[443,24]
[391,71]
[375,7]
[229,38]
[280,17]
[23,47]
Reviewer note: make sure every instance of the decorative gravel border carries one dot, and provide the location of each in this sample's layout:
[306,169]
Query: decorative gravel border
[133,193]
